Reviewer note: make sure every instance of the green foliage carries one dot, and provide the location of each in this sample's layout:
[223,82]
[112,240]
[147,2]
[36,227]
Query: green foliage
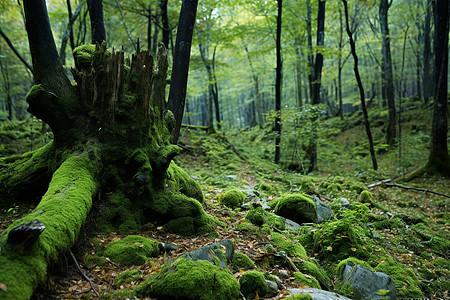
[287,244]
[132,250]
[306,280]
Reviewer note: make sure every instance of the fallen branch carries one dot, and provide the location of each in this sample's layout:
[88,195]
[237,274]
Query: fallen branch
[82,273]
[387,184]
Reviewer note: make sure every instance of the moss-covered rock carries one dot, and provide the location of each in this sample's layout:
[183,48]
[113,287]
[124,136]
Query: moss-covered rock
[132,250]
[127,276]
[338,240]
[186,279]
[285,243]
[312,268]
[242,261]
[366,196]
[258,216]
[93,260]
[253,283]
[405,279]
[232,198]
[306,280]
[297,207]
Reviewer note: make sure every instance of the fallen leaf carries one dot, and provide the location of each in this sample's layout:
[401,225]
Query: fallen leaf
[353,249]
[329,248]
[3,287]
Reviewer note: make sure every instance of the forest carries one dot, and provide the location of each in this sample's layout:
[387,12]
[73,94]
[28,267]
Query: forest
[185,149]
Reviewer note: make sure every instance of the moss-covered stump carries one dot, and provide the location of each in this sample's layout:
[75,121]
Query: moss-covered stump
[232,198]
[132,250]
[63,209]
[186,279]
[253,285]
[297,207]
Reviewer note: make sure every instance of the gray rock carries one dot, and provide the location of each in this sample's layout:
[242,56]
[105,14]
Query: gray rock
[291,224]
[318,294]
[345,203]
[323,211]
[209,252]
[273,288]
[283,274]
[369,285]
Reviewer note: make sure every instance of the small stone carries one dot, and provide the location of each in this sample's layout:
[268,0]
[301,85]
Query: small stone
[273,288]
[284,274]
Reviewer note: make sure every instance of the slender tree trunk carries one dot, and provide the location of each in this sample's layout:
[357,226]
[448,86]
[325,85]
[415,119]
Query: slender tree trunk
[149,27]
[212,86]
[298,69]
[69,11]
[97,22]
[165,23]
[310,49]
[11,46]
[439,158]
[388,77]
[180,69]
[427,74]
[278,86]
[361,88]
[340,66]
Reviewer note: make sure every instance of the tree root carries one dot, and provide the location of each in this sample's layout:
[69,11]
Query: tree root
[82,273]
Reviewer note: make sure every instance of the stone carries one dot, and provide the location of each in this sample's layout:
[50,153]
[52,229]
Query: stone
[318,294]
[323,211]
[367,284]
[211,254]
[272,289]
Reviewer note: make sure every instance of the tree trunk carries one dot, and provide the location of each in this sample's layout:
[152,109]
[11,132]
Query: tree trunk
[427,75]
[439,159]
[388,77]
[278,82]
[165,23]
[110,133]
[180,69]
[361,88]
[97,23]
[340,66]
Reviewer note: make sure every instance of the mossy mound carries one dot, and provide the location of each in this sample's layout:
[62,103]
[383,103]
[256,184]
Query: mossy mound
[186,279]
[405,279]
[287,244]
[306,280]
[127,276]
[338,240]
[258,216]
[312,268]
[242,261]
[94,260]
[119,215]
[132,250]
[253,283]
[297,207]
[232,198]
[366,197]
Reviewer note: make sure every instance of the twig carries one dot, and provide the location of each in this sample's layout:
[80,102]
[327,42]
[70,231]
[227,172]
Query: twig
[417,189]
[379,183]
[292,264]
[82,273]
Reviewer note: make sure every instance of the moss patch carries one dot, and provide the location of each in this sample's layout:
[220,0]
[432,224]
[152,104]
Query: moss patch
[252,283]
[132,250]
[306,280]
[232,198]
[291,247]
[127,276]
[242,261]
[297,207]
[186,279]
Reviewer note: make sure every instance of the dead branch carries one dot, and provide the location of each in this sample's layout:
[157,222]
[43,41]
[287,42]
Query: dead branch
[387,184]
[82,273]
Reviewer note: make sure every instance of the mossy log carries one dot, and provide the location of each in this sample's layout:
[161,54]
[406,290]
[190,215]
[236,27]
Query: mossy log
[111,135]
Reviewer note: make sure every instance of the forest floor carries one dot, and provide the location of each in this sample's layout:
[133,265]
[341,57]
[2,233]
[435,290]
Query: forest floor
[241,160]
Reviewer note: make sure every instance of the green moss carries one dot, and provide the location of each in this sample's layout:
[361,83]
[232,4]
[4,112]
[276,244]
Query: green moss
[127,276]
[242,261]
[63,209]
[232,198]
[366,197]
[306,280]
[83,56]
[312,268]
[253,282]
[340,239]
[182,226]
[93,260]
[256,216]
[124,294]
[351,261]
[132,250]
[291,247]
[186,279]
[297,207]
[120,214]
[301,297]
[405,279]
[247,227]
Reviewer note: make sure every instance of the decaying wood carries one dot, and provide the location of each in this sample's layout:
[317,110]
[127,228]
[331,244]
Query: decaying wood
[387,184]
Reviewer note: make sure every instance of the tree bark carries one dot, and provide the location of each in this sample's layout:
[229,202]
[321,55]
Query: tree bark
[278,83]
[165,23]
[97,22]
[388,77]
[427,74]
[180,69]
[360,87]
[439,159]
